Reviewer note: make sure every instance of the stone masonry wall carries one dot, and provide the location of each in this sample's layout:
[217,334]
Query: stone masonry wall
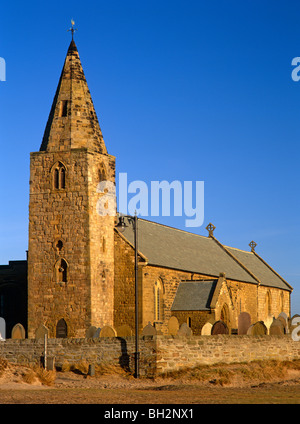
[158,354]
[107,351]
[174,353]
[69,216]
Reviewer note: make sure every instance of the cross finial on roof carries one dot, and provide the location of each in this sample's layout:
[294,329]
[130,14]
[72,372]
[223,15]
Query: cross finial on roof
[72,29]
[253,245]
[210,228]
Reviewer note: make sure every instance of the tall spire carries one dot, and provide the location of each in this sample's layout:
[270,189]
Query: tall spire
[72,121]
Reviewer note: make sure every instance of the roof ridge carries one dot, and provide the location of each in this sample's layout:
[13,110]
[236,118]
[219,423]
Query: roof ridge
[173,228]
[236,248]
[276,273]
[199,281]
[236,259]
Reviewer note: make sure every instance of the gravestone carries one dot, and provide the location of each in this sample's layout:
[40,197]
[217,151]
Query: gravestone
[219,327]
[149,330]
[51,363]
[244,322]
[283,315]
[257,329]
[124,331]
[108,331]
[90,332]
[2,329]
[41,331]
[184,330]
[173,326]
[285,321]
[91,371]
[97,333]
[277,328]
[18,332]
[206,329]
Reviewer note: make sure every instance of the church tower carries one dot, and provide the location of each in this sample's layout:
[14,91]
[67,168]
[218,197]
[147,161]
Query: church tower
[71,245]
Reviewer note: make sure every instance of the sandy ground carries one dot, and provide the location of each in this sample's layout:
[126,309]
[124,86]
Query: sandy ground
[72,388]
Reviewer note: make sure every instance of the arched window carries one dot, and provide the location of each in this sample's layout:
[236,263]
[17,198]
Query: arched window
[158,301]
[268,304]
[56,178]
[102,175]
[59,176]
[281,302]
[61,271]
[61,329]
[63,108]
[103,244]
[59,245]
[62,178]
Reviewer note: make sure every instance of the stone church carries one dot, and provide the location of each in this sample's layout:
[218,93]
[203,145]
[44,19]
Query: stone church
[80,269]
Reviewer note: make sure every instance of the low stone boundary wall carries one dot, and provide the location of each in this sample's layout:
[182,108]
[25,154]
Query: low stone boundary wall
[158,354]
[175,353]
[115,351]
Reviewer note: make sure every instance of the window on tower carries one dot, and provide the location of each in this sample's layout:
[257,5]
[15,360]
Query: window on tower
[102,174]
[61,268]
[63,108]
[59,176]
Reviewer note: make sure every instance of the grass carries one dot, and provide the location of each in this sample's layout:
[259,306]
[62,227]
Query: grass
[82,367]
[226,374]
[221,374]
[38,373]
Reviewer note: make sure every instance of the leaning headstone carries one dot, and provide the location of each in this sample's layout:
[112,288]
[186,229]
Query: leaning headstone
[97,333]
[18,332]
[277,328]
[257,329]
[173,326]
[108,331]
[244,322]
[149,330]
[185,330]
[283,315]
[124,331]
[206,329]
[41,331]
[219,327]
[90,332]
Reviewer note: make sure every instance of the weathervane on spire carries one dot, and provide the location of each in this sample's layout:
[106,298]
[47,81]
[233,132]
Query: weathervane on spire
[72,29]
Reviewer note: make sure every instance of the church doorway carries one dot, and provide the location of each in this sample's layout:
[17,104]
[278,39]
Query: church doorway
[225,315]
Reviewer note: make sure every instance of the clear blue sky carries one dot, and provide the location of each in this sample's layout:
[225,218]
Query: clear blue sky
[184,90]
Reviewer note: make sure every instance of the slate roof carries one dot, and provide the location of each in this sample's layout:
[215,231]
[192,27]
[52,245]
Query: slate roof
[262,271]
[176,249]
[194,295]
